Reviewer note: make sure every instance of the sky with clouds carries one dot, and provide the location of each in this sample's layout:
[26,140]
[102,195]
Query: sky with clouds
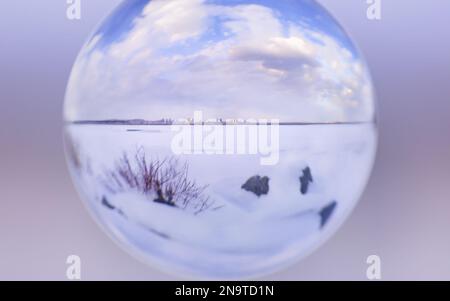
[284,59]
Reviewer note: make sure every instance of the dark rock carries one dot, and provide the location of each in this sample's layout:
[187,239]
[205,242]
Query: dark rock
[107,204]
[257,184]
[160,234]
[305,179]
[164,202]
[162,199]
[326,212]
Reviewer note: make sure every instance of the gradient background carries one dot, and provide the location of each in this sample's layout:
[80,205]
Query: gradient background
[403,216]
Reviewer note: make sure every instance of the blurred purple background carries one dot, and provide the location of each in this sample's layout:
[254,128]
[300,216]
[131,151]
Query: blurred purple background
[403,216]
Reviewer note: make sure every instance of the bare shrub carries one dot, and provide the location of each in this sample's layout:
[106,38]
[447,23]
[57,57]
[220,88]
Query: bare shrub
[166,180]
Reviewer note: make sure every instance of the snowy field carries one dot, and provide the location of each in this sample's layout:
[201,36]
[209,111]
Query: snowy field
[222,230]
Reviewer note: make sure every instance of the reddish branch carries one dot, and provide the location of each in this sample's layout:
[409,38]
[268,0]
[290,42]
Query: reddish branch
[166,179]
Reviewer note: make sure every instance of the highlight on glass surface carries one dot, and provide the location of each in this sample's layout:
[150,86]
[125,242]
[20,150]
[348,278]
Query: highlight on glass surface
[220,138]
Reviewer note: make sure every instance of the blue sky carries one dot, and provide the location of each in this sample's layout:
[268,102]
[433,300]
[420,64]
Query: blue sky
[284,59]
[311,13]
[120,21]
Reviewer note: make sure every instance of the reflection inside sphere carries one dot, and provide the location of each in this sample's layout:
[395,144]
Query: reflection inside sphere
[276,107]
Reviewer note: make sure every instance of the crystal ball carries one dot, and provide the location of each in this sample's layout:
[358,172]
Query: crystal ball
[220,139]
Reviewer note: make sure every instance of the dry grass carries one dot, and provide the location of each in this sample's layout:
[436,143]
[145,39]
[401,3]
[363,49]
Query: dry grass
[165,180]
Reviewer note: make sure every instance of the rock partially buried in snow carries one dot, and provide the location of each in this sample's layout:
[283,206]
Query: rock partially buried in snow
[162,200]
[326,213]
[107,204]
[257,184]
[305,179]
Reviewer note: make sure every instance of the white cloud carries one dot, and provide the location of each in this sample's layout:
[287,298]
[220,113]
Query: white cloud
[170,64]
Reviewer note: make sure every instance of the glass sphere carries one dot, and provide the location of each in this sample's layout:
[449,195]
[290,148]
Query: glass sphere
[220,138]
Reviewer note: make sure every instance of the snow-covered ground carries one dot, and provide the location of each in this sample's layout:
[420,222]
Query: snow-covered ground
[241,234]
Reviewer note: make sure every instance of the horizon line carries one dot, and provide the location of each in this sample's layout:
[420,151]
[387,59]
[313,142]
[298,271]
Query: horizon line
[161,122]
